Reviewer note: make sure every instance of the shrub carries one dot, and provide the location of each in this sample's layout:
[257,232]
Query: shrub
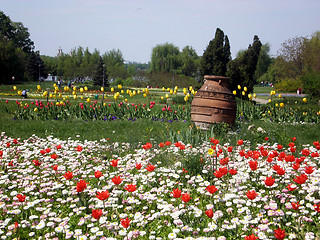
[311,83]
[288,85]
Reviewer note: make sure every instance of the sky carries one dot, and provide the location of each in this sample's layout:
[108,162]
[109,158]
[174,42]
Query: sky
[135,27]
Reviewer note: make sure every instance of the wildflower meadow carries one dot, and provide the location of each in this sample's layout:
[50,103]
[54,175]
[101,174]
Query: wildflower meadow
[69,189]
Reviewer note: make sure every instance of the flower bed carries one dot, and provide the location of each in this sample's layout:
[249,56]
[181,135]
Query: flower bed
[99,190]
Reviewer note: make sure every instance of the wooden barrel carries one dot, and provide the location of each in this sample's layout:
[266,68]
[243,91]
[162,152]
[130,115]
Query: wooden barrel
[213,103]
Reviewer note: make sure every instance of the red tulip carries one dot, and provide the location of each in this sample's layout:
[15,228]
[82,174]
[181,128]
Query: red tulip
[116,180]
[176,192]
[209,213]
[185,197]
[131,187]
[68,175]
[251,194]
[81,185]
[269,181]
[103,195]
[125,222]
[96,213]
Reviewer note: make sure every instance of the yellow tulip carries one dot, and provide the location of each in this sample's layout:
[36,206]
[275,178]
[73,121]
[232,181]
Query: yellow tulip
[74,88]
[280,95]
[210,151]
[186,98]
[122,92]
[234,92]
[163,89]
[88,100]
[50,95]
[126,100]
[39,87]
[85,88]
[243,93]
[61,102]
[120,86]
[102,89]
[239,87]
[138,92]
[81,90]
[190,88]
[57,103]
[161,97]
[75,97]
[19,93]
[104,104]
[254,95]
[35,109]
[45,93]
[277,105]
[54,96]
[245,89]
[250,96]
[112,89]
[304,100]
[144,95]
[167,96]
[15,88]
[81,98]
[54,85]
[171,92]
[74,93]
[60,95]
[115,96]
[269,100]
[281,104]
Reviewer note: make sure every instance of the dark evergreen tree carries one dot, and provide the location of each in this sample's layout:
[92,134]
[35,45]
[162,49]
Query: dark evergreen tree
[241,70]
[217,55]
[100,74]
[35,67]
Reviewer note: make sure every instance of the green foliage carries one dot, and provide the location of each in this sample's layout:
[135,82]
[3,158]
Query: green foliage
[216,56]
[264,61]
[288,85]
[35,67]
[242,70]
[311,83]
[115,64]
[165,58]
[100,77]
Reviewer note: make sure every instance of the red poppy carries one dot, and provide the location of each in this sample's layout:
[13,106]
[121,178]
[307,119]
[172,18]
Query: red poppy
[177,144]
[8,144]
[233,171]
[81,185]
[269,181]
[147,146]
[68,175]
[218,174]
[97,174]
[279,234]
[48,150]
[96,213]
[176,192]
[116,180]
[279,147]
[251,237]
[167,143]
[230,149]
[103,195]
[253,165]
[293,139]
[58,147]
[43,152]
[36,162]
[55,167]
[224,161]
[138,166]
[317,207]
[209,213]
[295,205]
[315,154]
[251,194]
[301,179]
[211,189]
[305,152]
[130,187]
[309,169]
[150,168]
[125,222]
[21,198]
[161,145]
[114,162]
[185,197]
[15,141]
[79,148]
[240,142]
[54,156]
[182,147]
[296,166]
